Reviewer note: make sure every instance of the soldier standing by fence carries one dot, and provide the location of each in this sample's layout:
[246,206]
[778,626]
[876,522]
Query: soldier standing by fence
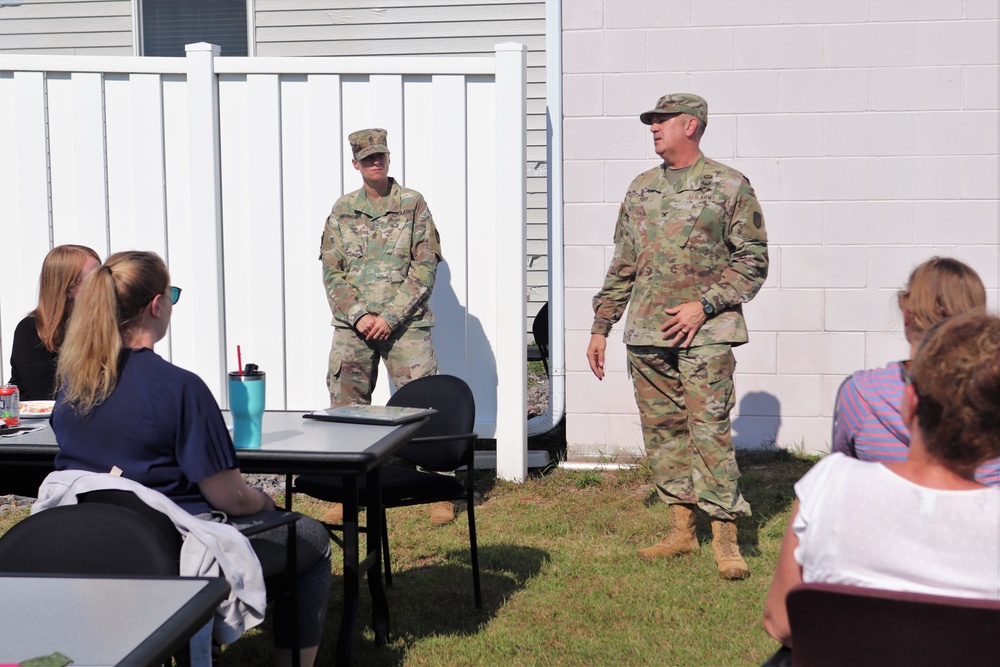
[380,251]
[690,247]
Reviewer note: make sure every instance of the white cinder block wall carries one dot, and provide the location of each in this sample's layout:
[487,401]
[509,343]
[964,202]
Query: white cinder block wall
[869,129]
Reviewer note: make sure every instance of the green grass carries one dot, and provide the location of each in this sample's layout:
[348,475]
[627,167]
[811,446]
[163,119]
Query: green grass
[561,582]
[536,373]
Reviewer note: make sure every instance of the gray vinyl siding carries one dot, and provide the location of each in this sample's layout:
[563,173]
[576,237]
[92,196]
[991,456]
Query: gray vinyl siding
[428,28]
[80,27]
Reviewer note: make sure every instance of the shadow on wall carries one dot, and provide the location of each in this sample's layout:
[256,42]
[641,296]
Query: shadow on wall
[462,346]
[758,421]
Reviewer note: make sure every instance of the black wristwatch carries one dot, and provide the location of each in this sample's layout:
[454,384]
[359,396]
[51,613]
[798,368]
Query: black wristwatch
[707,307]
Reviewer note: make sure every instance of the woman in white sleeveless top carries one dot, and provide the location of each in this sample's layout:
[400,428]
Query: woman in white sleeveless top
[922,525]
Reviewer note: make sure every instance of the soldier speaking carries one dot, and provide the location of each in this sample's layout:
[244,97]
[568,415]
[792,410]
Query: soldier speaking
[690,248]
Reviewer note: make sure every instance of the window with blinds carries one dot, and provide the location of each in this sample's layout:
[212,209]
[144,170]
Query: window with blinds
[167,25]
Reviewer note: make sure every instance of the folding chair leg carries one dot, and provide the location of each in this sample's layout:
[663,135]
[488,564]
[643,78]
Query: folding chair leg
[292,570]
[385,551]
[475,552]
[292,566]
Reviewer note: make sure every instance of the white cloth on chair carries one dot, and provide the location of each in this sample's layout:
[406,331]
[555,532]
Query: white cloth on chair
[210,549]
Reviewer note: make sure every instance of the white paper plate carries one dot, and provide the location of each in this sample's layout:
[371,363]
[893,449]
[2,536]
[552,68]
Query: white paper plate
[36,409]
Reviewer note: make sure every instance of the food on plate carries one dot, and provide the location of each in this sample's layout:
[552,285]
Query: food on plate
[36,407]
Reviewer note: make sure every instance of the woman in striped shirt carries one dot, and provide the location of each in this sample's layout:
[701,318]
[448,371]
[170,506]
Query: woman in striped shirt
[867,423]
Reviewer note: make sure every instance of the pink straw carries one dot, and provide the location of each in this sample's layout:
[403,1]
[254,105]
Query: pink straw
[239,359]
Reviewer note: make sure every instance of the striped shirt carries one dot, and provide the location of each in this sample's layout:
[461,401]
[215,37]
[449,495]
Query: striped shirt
[868,424]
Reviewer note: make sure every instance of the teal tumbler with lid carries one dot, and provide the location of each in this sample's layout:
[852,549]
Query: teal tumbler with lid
[246,405]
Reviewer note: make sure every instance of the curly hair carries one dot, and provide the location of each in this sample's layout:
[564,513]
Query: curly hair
[939,288]
[956,375]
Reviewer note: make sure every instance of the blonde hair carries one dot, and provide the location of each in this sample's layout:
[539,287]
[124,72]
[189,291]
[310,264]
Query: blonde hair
[956,375]
[113,299]
[939,288]
[60,273]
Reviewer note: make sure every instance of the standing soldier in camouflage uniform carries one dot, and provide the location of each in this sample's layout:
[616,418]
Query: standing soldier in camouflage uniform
[380,251]
[690,247]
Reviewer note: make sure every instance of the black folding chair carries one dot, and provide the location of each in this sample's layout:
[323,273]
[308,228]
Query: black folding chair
[834,625]
[89,539]
[445,443]
[23,480]
[540,332]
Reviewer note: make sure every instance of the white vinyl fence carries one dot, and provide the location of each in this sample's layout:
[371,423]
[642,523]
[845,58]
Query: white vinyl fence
[228,167]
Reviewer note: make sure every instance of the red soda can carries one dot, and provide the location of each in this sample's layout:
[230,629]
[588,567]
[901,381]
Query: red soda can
[10,405]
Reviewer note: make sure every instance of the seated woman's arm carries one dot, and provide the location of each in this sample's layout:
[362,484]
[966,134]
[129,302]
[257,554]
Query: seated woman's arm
[787,575]
[847,418]
[227,492]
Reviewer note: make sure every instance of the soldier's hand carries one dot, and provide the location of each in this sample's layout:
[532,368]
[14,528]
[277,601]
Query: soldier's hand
[380,329]
[595,354]
[681,328]
[364,324]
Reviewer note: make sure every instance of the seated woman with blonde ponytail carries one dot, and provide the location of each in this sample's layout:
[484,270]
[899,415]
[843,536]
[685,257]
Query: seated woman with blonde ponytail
[120,405]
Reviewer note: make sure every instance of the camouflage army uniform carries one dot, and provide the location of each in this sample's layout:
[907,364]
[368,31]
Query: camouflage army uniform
[701,238]
[379,257]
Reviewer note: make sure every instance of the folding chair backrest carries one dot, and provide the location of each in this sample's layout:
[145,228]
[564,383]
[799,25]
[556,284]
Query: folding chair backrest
[87,539]
[845,625]
[456,416]
[130,501]
[540,330]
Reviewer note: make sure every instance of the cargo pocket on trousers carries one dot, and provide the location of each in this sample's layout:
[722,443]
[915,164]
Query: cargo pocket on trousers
[720,366]
[333,373]
[732,469]
[719,369]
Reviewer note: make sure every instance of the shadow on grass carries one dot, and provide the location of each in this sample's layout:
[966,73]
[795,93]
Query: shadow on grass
[425,601]
[767,481]
[437,600]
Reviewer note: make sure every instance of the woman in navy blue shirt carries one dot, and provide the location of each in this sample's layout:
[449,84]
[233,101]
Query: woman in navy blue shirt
[122,406]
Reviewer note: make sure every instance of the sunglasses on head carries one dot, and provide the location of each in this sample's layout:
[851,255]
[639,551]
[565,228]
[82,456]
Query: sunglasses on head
[175,294]
[904,371]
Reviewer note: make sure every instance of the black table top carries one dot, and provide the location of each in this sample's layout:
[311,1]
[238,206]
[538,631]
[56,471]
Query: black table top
[292,444]
[289,445]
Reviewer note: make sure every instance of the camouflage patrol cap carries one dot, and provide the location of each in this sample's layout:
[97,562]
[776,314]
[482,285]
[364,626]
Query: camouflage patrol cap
[368,142]
[678,103]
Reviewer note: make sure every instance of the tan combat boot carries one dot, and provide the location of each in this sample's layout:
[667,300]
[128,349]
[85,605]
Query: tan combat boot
[727,551]
[334,515]
[680,540]
[442,513]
